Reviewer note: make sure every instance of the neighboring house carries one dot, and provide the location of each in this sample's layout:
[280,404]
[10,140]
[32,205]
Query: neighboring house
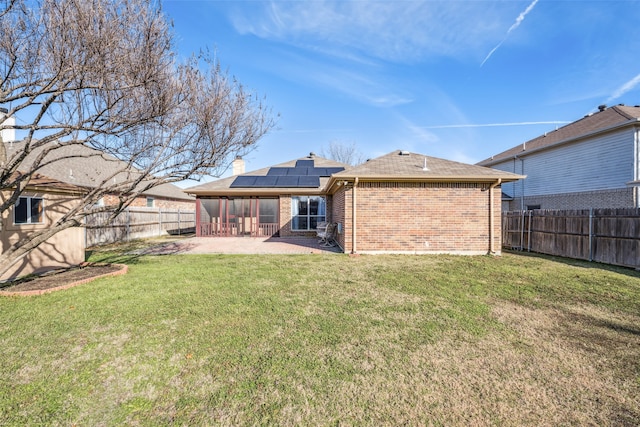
[593,162]
[398,203]
[42,203]
[72,172]
[86,167]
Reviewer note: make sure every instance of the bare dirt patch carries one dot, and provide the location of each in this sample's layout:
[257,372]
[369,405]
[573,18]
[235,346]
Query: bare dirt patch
[61,279]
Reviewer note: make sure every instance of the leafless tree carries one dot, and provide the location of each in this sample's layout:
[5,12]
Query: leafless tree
[343,152]
[103,75]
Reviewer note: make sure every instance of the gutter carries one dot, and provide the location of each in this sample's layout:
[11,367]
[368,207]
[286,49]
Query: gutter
[491,215]
[353,217]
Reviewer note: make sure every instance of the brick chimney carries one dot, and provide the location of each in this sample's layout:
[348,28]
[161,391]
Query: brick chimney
[238,166]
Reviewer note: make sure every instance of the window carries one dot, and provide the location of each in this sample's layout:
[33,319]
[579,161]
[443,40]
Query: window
[532,207]
[307,212]
[29,210]
[150,202]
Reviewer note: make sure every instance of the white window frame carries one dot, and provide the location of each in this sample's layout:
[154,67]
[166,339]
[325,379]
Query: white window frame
[320,217]
[28,200]
[151,202]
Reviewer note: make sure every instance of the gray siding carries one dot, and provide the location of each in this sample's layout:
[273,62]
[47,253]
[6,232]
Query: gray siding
[602,163]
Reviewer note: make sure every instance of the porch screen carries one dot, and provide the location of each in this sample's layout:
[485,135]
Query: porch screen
[239,216]
[307,212]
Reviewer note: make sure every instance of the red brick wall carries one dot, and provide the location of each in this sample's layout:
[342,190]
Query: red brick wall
[285,216]
[421,217]
[338,214]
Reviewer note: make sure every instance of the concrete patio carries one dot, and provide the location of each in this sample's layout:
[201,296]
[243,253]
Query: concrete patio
[242,245]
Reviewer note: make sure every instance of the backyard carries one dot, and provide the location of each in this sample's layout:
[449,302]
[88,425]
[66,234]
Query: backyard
[327,339]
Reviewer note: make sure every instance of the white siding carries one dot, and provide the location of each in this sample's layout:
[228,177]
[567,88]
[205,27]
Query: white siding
[602,163]
[513,189]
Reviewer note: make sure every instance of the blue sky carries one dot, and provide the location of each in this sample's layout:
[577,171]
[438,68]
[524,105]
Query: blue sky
[460,80]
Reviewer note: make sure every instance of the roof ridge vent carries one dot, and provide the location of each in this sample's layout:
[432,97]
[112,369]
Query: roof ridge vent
[602,107]
[404,153]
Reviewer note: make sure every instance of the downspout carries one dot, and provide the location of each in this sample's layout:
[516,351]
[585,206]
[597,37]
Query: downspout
[636,172]
[522,173]
[198,230]
[353,217]
[491,219]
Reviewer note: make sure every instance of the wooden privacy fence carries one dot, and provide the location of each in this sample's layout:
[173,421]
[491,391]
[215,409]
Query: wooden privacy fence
[136,223]
[610,236]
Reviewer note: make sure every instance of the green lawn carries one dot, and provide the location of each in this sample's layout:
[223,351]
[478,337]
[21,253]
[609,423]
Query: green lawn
[327,340]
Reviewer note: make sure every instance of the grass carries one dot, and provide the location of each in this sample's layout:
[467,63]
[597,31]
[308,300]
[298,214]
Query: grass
[327,340]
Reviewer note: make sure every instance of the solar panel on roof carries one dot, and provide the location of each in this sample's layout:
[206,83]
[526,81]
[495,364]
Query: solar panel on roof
[287,181]
[331,171]
[304,164]
[243,182]
[309,181]
[299,171]
[319,172]
[278,171]
[266,181]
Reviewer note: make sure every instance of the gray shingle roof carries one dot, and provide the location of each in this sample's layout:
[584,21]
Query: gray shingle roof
[86,167]
[223,186]
[402,165]
[393,166]
[609,118]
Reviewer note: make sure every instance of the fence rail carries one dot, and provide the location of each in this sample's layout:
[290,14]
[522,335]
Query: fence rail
[136,223]
[610,236]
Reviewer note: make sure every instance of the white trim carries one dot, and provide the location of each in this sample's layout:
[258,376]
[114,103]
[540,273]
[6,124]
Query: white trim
[28,222]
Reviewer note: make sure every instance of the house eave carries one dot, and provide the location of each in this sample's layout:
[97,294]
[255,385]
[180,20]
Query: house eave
[484,179]
[525,153]
[255,192]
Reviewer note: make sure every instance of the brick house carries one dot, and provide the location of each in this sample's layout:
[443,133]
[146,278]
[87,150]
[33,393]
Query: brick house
[398,203]
[593,162]
[266,202]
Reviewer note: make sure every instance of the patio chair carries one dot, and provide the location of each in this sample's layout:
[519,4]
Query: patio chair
[327,237]
[321,230]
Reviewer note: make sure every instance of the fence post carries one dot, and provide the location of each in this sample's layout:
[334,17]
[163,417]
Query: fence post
[159,222]
[128,228]
[179,225]
[522,231]
[590,234]
[529,232]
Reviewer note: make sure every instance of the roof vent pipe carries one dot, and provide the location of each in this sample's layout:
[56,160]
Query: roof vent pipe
[602,107]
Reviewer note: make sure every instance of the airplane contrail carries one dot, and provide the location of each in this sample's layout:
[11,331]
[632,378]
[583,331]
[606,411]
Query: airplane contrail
[556,122]
[515,25]
[628,86]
